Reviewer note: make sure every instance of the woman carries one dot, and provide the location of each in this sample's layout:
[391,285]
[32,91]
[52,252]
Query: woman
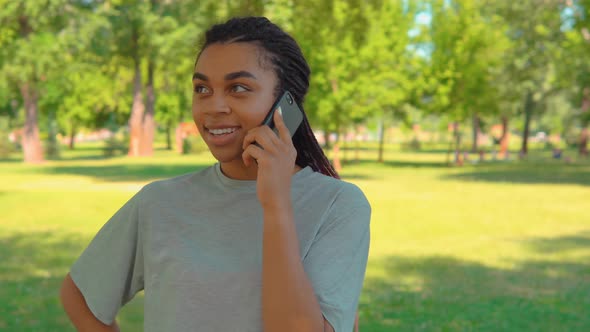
[266,239]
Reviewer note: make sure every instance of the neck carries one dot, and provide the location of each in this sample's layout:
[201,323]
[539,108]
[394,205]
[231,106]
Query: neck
[238,171]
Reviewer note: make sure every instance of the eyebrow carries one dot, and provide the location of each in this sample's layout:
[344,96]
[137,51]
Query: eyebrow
[228,77]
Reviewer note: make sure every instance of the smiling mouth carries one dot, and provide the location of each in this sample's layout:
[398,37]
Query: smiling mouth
[222,131]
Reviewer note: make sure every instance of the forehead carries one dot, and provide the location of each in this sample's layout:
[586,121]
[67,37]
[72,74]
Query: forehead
[233,57]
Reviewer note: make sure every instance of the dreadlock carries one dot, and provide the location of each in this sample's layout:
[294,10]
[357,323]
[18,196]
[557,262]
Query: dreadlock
[283,54]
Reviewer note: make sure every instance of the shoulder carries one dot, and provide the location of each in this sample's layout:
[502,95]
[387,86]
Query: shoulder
[341,191]
[339,201]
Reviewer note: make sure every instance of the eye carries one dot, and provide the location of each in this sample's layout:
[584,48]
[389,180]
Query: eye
[201,89]
[239,88]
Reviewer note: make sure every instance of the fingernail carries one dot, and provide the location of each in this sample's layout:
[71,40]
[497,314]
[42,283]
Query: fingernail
[280,110]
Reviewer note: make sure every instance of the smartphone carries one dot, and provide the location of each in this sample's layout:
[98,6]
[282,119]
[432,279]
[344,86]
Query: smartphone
[292,115]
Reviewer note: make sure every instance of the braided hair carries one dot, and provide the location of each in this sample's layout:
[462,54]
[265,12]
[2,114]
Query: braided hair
[282,53]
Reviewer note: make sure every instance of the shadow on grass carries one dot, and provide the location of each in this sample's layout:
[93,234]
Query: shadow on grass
[416,164]
[33,267]
[526,173]
[448,295]
[122,173]
[84,152]
[10,160]
[455,295]
[560,244]
[398,163]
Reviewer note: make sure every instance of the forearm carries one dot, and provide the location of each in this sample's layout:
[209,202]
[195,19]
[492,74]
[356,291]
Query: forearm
[77,310]
[288,299]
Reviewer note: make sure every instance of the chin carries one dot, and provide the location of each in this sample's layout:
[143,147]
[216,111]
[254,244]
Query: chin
[226,156]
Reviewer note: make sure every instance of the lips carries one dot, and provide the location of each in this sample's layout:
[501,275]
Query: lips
[220,135]
[222,131]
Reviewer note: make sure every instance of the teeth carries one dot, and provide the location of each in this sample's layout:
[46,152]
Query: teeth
[222,131]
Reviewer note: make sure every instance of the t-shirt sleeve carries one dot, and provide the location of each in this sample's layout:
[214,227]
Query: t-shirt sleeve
[337,260]
[110,271]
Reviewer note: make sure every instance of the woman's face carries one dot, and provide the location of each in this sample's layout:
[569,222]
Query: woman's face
[232,94]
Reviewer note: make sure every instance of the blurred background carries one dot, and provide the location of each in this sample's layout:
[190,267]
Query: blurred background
[464,122]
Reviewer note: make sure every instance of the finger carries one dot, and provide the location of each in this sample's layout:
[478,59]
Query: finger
[251,154]
[249,138]
[284,133]
[264,137]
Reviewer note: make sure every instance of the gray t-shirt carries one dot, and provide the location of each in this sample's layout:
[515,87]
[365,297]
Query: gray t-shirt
[194,245]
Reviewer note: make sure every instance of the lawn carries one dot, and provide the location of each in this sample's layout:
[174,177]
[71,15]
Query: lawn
[498,246]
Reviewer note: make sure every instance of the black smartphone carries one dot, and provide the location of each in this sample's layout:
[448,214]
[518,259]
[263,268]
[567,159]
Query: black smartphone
[292,115]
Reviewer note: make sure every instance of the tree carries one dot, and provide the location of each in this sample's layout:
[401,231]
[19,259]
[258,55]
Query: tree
[390,67]
[29,52]
[535,33]
[576,65]
[467,50]
[331,47]
[156,38]
[80,94]
[177,51]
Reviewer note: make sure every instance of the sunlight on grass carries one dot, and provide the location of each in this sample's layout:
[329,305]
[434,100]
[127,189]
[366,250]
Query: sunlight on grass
[501,246]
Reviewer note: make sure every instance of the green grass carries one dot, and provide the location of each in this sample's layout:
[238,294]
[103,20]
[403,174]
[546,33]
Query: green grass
[499,246]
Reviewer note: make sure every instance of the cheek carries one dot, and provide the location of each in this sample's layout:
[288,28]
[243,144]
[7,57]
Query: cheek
[259,109]
[251,112]
[196,110]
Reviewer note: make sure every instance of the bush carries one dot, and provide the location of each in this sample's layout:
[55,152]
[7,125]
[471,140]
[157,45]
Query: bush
[193,145]
[6,147]
[186,146]
[116,144]
[413,145]
[52,147]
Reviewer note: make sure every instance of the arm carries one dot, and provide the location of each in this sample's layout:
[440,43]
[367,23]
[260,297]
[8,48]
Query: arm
[77,310]
[288,299]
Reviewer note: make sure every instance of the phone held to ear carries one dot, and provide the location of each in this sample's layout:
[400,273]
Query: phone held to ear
[292,115]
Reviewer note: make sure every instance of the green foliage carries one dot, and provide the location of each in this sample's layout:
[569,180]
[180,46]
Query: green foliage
[529,63]
[558,115]
[52,145]
[193,145]
[370,59]
[116,144]
[6,147]
[468,49]
[390,68]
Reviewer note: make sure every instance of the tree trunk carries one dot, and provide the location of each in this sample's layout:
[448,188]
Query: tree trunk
[504,138]
[149,124]
[583,148]
[72,136]
[476,132]
[32,149]
[528,111]
[585,135]
[169,135]
[137,109]
[327,144]
[381,140]
[457,135]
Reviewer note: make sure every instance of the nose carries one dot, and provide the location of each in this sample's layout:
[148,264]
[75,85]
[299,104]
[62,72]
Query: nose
[217,103]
